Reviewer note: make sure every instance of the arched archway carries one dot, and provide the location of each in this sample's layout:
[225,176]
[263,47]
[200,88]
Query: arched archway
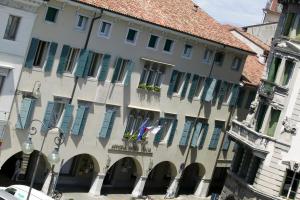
[77,173]
[121,176]
[190,178]
[160,178]
[18,169]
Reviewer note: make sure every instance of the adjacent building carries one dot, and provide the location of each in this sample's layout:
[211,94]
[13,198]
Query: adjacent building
[100,71]
[266,162]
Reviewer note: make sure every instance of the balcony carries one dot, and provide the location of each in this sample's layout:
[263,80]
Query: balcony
[256,141]
[268,89]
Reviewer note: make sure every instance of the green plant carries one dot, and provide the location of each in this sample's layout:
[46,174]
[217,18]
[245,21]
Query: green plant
[126,135]
[142,86]
[150,87]
[156,89]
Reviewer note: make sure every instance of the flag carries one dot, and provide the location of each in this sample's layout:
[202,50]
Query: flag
[142,130]
[155,130]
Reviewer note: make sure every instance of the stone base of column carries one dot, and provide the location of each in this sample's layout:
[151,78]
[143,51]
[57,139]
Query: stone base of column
[173,189]
[97,184]
[50,182]
[202,188]
[139,187]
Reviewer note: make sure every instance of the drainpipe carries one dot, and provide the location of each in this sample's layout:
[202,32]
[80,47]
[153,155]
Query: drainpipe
[85,47]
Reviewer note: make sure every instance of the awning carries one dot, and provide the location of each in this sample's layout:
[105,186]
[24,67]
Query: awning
[143,108]
[158,62]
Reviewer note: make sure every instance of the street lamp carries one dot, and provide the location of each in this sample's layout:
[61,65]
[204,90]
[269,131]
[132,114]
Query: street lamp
[28,148]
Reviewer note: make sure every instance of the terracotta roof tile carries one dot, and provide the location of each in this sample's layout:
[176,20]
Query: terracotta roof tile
[179,15]
[253,70]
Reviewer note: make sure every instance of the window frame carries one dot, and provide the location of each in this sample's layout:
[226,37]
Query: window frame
[202,79]
[191,51]
[180,84]
[16,30]
[228,93]
[205,61]
[166,135]
[160,70]
[236,63]
[100,27]
[156,42]
[78,28]
[44,60]
[124,71]
[58,11]
[171,48]
[223,58]
[135,38]
[99,65]
[75,63]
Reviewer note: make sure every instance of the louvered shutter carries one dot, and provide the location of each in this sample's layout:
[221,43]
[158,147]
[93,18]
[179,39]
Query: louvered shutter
[130,66]
[82,61]
[31,53]
[186,84]
[25,113]
[204,131]
[172,82]
[88,64]
[51,56]
[222,91]
[193,88]
[48,117]
[67,118]
[185,134]
[196,134]
[215,137]
[116,70]
[107,124]
[63,59]
[209,89]
[80,120]
[173,130]
[226,143]
[234,95]
[217,90]
[157,137]
[104,68]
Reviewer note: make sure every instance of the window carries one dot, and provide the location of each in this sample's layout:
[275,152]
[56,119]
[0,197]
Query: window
[168,45]
[12,27]
[131,36]
[81,22]
[288,184]
[153,41]
[167,127]
[11,190]
[227,92]
[135,120]
[151,76]
[289,23]
[95,65]
[122,70]
[72,60]
[250,98]
[273,69]
[288,70]
[179,82]
[2,78]
[216,135]
[51,14]
[207,56]
[59,105]
[236,64]
[41,54]
[219,57]
[187,52]
[273,121]
[105,29]
[199,88]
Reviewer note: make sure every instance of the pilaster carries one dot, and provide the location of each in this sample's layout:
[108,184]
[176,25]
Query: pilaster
[173,188]
[139,187]
[97,184]
[202,188]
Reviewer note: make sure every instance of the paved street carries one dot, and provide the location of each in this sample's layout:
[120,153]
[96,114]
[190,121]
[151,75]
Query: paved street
[85,196]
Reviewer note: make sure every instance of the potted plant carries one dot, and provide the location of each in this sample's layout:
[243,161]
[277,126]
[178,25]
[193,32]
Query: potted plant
[142,86]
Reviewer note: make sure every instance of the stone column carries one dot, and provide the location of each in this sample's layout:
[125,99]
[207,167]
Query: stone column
[202,188]
[97,184]
[280,71]
[139,187]
[50,182]
[173,188]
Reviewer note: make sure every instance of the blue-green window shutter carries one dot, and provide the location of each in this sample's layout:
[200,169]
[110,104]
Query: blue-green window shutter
[48,117]
[31,53]
[25,113]
[209,89]
[203,135]
[80,120]
[130,66]
[67,118]
[88,64]
[222,91]
[206,86]
[107,124]
[186,84]
[172,82]
[173,130]
[104,67]
[193,88]
[196,134]
[226,143]
[217,90]
[185,134]
[63,59]
[82,61]
[117,69]
[157,137]
[234,95]
[51,56]
[215,137]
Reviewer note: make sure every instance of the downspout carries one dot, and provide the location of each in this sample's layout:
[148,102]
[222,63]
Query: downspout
[85,47]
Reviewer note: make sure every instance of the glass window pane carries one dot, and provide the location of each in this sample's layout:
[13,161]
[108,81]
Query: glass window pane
[51,14]
[153,41]
[131,35]
[168,45]
[12,27]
